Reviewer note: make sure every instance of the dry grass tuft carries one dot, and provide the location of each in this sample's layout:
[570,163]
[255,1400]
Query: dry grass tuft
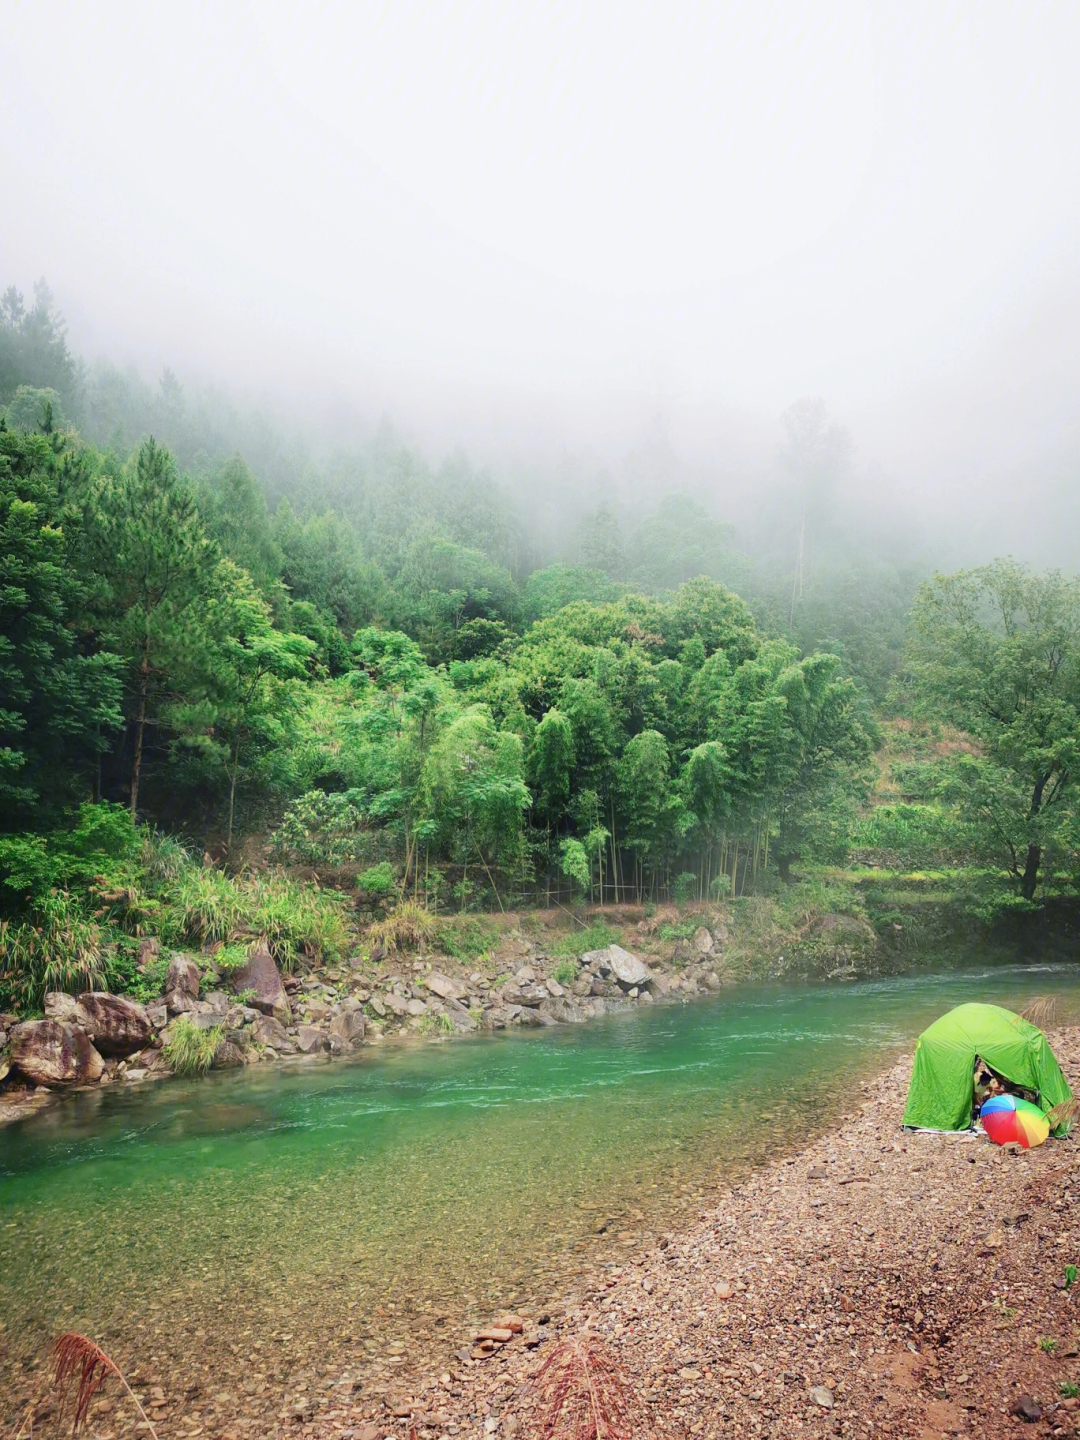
[78,1359]
[1064,1115]
[582,1393]
[1042,1011]
[407,926]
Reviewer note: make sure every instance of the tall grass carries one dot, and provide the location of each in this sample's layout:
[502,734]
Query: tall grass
[59,949]
[189,1050]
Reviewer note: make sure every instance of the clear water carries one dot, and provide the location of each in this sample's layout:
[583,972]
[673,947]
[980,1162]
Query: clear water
[342,1210]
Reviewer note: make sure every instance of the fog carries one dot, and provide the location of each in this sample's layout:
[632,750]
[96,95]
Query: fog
[628,235]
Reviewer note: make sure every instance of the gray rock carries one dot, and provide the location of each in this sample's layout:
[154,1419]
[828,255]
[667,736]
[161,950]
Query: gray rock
[310,1040]
[116,1025]
[822,1395]
[48,1052]
[444,986]
[227,1056]
[136,1074]
[553,987]
[1026,1408]
[207,1020]
[351,1004]
[416,1007]
[63,1008]
[263,978]
[268,1031]
[526,975]
[563,1011]
[183,976]
[179,1002]
[702,941]
[596,960]
[397,1003]
[316,1010]
[627,968]
[159,1014]
[582,985]
[377,1005]
[218,1002]
[348,1027]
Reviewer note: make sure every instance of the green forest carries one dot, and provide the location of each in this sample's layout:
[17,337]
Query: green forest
[245,687]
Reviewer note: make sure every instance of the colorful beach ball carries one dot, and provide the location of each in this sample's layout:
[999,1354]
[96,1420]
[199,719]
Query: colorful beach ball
[1008,1120]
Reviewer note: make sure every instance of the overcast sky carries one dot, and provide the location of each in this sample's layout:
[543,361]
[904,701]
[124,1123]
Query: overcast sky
[495,216]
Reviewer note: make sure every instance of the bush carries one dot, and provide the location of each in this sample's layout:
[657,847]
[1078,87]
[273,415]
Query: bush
[565,972]
[189,1050]
[59,949]
[297,920]
[320,829]
[378,880]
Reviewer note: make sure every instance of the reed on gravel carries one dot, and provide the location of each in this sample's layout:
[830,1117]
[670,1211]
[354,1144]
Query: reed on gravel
[582,1393]
[80,1362]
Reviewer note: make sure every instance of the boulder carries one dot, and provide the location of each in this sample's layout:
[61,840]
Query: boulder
[416,1007]
[310,1039]
[553,987]
[49,1052]
[159,1014]
[444,986]
[396,1003]
[179,1002]
[627,969]
[268,1031]
[263,978]
[63,1008]
[316,1010]
[348,1027]
[149,950]
[227,1056]
[702,941]
[116,1025]
[183,976]
[219,1002]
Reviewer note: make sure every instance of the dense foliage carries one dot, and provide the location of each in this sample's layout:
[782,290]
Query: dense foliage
[378,681]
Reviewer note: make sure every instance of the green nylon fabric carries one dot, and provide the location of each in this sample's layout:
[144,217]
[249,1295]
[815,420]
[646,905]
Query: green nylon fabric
[941,1093]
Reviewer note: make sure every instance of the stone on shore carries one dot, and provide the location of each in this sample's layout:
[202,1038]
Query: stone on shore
[116,1025]
[444,986]
[627,969]
[348,1027]
[64,1008]
[268,1031]
[310,1039]
[49,1052]
[262,977]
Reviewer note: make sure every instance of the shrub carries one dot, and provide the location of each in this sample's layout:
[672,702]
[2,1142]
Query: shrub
[685,885]
[189,1050]
[204,905]
[320,829]
[58,949]
[378,880]
[436,1025]
[565,972]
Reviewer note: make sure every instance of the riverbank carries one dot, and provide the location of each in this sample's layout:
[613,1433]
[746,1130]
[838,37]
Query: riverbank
[248,1355]
[875,1283]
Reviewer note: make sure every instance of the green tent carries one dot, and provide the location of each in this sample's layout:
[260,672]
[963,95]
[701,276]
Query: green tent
[942,1091]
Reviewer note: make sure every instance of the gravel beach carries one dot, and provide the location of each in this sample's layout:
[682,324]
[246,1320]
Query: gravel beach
[875,1283]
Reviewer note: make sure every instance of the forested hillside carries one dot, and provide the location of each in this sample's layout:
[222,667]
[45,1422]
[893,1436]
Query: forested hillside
[369,670]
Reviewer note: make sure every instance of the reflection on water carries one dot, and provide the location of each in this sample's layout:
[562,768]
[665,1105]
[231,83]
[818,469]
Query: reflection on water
[330,1207]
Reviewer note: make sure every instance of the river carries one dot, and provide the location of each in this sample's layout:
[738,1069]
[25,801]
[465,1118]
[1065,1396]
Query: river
[364,1210]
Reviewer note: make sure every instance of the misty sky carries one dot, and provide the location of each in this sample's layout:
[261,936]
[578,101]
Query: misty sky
[503,220]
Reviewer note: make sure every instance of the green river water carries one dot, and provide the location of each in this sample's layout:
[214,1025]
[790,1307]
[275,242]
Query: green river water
[357,1209]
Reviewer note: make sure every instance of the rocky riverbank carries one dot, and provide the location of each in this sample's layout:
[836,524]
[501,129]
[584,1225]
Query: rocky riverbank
[257,1014]
[877,1283]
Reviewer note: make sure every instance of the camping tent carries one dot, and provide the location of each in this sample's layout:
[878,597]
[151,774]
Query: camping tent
[941,1092]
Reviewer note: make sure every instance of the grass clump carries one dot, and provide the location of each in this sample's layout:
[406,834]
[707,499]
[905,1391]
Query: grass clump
[598,936]
[189,1050]
[467,937]
[407,926]
[440,1024]
[565,972]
